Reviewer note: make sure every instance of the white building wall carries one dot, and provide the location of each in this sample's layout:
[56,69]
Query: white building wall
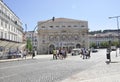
[11,30]
[10,23]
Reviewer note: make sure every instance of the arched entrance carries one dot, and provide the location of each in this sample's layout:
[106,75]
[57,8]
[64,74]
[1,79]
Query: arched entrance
[51,47]
[78,46]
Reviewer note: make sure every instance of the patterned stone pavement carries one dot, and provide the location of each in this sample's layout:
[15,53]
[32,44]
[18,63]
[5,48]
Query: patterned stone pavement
[71,69]
[100,72]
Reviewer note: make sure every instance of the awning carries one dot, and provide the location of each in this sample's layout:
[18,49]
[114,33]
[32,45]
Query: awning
[22,46]
[3,43]
[8,44]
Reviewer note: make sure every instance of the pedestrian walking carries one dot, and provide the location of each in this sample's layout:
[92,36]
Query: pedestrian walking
[84,52]
[88,53]
[64,53]
[57,51]
[54,54]
[24,53]
[33,54]
[20,53]
[60,53]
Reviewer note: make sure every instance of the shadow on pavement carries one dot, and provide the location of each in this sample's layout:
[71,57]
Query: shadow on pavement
[108,62]
[115,62]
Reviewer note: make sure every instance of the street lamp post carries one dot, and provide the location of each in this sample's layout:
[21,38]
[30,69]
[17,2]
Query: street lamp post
[53,19]
[117,19]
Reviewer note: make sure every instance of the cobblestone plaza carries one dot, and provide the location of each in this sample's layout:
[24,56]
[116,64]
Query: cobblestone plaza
[71,69]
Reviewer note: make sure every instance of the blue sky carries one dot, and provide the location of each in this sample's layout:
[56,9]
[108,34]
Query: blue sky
[96,12]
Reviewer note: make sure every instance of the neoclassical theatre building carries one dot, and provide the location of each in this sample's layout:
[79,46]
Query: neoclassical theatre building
[62,33]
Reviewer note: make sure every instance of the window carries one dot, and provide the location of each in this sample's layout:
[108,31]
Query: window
[15,22]
[51,26]
[75,26]
[69,26]
[14,29]
[64,37]
[35,43]
[9,36]
[35,40]
[5,25]
[43,37]
[63,26]
[56,38]
[1,23]
[1,34]
[43,26]
[51,38]
[30,35]
[5,35]
[9,27]
[57,26]
[70,37]
[82,26]
[76,37]
[83,35]
[43,41]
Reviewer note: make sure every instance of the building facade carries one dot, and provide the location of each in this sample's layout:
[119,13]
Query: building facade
[97,39]
[32,36]
[11,31]
[62,33]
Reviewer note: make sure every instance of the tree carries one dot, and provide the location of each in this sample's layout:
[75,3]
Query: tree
[93,45]
[104,44]
[29,45]
[115,43]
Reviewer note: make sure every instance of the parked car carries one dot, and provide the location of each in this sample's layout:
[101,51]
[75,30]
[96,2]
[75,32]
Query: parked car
[76,51]
[12,55]
[94,50]
[113,48]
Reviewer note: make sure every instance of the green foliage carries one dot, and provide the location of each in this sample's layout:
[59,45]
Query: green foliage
[93,45]
[29,45]
[114,43]
[105,44]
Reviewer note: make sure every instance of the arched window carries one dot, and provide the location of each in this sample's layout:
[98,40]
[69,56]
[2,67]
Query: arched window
[76,37]
[51,47]
[69,37]
[56,38]
[78,46]
[51,38]
[64,37]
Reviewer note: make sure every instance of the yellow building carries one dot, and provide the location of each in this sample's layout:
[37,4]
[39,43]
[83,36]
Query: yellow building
[62,32]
